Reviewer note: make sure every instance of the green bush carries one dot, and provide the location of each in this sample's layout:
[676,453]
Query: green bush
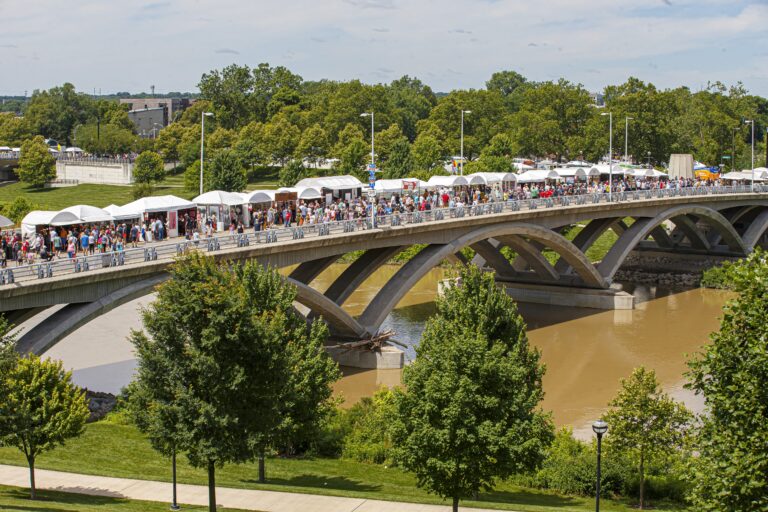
[18,208]
[368,438]
[719,277]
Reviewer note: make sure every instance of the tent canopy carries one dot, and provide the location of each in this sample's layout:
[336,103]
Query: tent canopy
[5,222]
[86,214]
[396,186]
[605,169]
[742,176]
[258,196]
[447,181]
[647,173]
[217,197]
[571,172]
[536,176]
[331,182]
[158,204]
[49,218]
[74,149]
[121,213]
[489,178]
[304,192]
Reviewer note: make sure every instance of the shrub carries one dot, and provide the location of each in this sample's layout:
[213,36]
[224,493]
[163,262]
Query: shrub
[368,438]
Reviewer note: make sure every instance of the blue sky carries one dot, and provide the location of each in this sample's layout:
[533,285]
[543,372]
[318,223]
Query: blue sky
[130,45]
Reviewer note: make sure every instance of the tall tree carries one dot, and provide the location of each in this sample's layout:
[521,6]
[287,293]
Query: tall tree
[55,113]
[36,164]
[281,138]
[400,163]
[13,130]
[227,172]
[469,413]
[291,173]
[426,153]
[227,351]
[148,168]
[731,470]
[43,409]
[313,145]
[645,422]
[229,91]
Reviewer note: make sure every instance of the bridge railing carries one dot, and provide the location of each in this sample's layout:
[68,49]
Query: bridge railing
[169,249]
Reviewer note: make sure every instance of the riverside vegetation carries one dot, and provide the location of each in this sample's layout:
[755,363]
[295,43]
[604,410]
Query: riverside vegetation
[364,451]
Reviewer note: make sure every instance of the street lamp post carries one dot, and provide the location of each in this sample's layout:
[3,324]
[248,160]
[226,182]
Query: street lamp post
[627,119]
[203,115]
[610,154]
[174,504]
[752,122]
[367,114]
[599,427]
[461,161]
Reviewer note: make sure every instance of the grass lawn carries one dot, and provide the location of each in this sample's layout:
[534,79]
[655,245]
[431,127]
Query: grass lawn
[121,451]
[91,194]
[13,498]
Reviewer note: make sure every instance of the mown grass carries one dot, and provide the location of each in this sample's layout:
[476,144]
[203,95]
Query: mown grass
[121,451]
[13,498]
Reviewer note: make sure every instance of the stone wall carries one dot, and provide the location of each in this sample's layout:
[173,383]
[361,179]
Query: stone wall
[117,173]
[650,267]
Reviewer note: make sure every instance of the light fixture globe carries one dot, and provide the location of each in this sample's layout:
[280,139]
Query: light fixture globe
[600,427]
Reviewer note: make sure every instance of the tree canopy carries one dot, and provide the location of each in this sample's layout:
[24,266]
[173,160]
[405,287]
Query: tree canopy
[36,164]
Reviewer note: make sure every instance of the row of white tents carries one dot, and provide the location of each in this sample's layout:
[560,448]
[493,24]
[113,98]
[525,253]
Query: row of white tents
[219,202]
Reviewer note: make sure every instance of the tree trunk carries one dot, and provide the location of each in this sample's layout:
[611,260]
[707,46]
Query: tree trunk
[211,486]
[262,471]
[642,479]
[455,504]
[32,492]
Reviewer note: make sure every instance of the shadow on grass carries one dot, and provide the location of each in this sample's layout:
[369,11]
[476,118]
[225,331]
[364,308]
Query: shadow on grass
[319,482]
[527,498]
[59,497]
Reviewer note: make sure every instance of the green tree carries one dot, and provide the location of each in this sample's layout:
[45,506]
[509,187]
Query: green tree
[36,164]
[17,209]
[55,113]
[731,470]
[313,145]
[426,153]
[227,172]
[369,438]
[8,354]
[645,422]
[400,162]
[352,159]
[43,408]
[229,91]
[497,155]
[505,82]
[385,141]
[291,173]
[106,139]
[148,168]
[168,141]
[222,345]
[13,130]
[281,138]
[469,413]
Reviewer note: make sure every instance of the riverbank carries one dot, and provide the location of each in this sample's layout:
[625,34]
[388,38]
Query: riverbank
[121,451]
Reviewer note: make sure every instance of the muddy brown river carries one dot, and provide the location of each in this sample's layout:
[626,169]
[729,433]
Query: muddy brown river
[586,351]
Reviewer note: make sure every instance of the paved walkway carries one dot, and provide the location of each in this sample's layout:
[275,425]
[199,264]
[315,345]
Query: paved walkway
[246,499]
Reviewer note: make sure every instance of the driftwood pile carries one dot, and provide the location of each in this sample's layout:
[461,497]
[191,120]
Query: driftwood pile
[372,344]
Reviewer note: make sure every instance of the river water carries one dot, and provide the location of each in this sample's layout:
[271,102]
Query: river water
[586,351]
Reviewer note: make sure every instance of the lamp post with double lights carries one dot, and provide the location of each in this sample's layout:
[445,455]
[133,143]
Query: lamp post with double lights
[203,115]
[599,427]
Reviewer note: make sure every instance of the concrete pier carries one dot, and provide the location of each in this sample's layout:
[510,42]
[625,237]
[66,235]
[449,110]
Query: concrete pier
[389,358]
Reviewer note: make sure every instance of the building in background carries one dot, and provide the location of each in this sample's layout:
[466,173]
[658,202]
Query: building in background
[152,114]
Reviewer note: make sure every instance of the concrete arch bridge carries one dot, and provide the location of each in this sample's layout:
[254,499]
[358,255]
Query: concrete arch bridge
[689,223]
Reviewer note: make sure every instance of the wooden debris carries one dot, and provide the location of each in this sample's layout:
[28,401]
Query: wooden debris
[373,344]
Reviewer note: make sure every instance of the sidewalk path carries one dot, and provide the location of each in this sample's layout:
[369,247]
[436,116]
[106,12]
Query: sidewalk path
[246,499]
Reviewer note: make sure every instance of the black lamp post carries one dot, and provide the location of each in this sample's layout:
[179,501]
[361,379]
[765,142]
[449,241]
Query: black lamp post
[174,505]
[599,427]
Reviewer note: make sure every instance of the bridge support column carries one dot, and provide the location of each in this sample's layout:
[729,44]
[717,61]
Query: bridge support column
[567,296]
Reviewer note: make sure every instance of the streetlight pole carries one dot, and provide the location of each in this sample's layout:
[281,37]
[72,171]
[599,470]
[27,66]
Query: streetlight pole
[203,115]
[367,114]
[174,504]
[610,154]
[599,427]
[752,122]
[626,135]
[461,161]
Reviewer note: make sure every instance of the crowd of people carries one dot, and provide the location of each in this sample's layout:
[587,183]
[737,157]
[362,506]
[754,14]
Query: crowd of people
[85,240]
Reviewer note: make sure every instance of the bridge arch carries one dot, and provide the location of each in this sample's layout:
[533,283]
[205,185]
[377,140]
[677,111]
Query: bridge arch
[643,227]
[431,256]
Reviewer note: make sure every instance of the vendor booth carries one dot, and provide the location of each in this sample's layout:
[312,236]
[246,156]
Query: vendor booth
[39,219]
[228,207]
[388,188]
[537,176]
[89,214]
[168,208]
[333,187]
[5,222]
[447,181]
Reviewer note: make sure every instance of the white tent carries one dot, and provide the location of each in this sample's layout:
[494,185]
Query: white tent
[258,196]
[537,176]
[158,204]
[520,166]
[219,197]
[447,181]
[396,186]
[578,163]
[760,172]
[647,173]
[604,169]
[74,149]
[490,178]
[305,192]
[5,222]
[741,176]
[571,172]
[331,183]
[120,213]
[86,214]
[45,218]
